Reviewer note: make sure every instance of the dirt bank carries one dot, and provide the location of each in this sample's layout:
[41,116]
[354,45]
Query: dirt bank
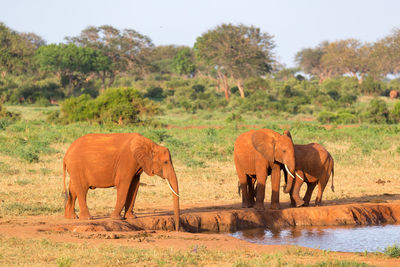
[232,218]
[147,231]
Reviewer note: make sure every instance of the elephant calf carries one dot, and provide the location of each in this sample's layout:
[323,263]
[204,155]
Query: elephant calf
[314,165]
[118,159]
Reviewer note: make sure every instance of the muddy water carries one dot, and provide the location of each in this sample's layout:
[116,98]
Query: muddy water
[348,239]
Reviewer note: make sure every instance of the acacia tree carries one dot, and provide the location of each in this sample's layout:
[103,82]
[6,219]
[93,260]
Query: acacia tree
[235,51]
[348,56]
[182,62]
[71,63]
[17,50]
[385,55]
[127,50]
[310,61]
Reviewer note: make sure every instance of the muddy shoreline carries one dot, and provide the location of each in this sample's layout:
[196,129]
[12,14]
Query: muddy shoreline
[230,219]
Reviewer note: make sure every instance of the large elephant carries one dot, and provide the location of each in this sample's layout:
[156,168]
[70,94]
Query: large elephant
[118,159]
[314,165]
[258,153]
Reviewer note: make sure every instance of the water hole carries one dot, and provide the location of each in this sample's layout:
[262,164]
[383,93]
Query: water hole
[338,238]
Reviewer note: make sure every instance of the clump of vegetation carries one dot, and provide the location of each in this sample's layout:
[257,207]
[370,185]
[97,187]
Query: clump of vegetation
[392,251]
[7,117]
[115,105]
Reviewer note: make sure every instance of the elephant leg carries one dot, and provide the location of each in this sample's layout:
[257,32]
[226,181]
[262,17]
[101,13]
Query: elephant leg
[122,193]
[251,192]
[307,196]
[295,193]
[243,186]
[321,187]
[70,205]
[292,201]
[275,184]
[261,174]
[130,199]
[83,208]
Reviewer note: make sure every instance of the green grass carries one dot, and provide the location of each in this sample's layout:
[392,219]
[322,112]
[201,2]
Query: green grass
[39,252]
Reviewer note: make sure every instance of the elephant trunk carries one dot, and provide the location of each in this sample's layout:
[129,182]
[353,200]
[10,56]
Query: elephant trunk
[173,185]
[290,179]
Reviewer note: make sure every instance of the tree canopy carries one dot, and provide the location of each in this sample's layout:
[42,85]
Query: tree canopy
[235,51]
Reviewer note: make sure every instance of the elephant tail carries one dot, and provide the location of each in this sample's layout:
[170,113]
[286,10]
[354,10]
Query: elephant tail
[65,186]
[333,174]
[239,188]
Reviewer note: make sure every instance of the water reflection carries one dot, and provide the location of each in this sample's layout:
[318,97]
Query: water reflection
[344,238]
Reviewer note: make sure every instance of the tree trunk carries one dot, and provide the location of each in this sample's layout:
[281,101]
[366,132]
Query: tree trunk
[240,86]
[112,78]
[225,87]
[223,84]
[360,81]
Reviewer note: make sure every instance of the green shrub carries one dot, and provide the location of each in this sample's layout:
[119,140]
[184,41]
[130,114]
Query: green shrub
[7,118]
[124,105]
[155,93]
[377,111]
[326,117]
[392,251]
[395,113]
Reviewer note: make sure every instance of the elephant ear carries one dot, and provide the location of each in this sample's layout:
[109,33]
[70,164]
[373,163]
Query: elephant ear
[264,144]
[287,133]
[143,153]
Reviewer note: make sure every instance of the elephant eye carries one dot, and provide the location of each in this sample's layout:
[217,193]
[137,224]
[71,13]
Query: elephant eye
[284,151]
[166,162]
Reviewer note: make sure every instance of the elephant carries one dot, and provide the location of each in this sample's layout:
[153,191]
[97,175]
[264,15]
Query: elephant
[116,159]
[257,154]
[314,164]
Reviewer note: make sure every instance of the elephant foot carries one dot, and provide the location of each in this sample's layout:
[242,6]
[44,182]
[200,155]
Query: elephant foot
[130,216]
[299,203]
[85,217]
[71,216]
[275,206]
[292,204]
[318,204]
[117,217]
[247,205]
[259,206]
[306,204]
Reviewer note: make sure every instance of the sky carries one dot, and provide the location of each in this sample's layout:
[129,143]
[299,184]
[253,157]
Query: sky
[295,24]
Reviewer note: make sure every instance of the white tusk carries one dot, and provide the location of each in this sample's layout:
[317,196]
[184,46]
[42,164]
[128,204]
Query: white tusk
[289,171]
[299,177]
[170,187]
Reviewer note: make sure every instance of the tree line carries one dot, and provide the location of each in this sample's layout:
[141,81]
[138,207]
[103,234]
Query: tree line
[229,55]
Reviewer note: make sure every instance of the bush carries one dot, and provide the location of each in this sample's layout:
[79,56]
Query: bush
[116,105]
[377,111]
[395,113]
[7,117]
[326,117]
[155,93]
[392,251]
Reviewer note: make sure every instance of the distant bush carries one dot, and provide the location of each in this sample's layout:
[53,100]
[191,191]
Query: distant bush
[377,111]
[7,117]
[395,113]
[155,93]
[117,105]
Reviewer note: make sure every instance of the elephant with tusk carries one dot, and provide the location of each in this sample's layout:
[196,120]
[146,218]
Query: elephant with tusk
[118,159]
[258,153]
[314,165]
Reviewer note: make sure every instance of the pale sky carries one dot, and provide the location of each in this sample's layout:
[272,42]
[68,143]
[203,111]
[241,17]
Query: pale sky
[295,24]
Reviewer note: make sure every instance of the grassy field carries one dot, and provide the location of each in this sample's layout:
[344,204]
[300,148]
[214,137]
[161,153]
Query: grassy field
[31,152]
